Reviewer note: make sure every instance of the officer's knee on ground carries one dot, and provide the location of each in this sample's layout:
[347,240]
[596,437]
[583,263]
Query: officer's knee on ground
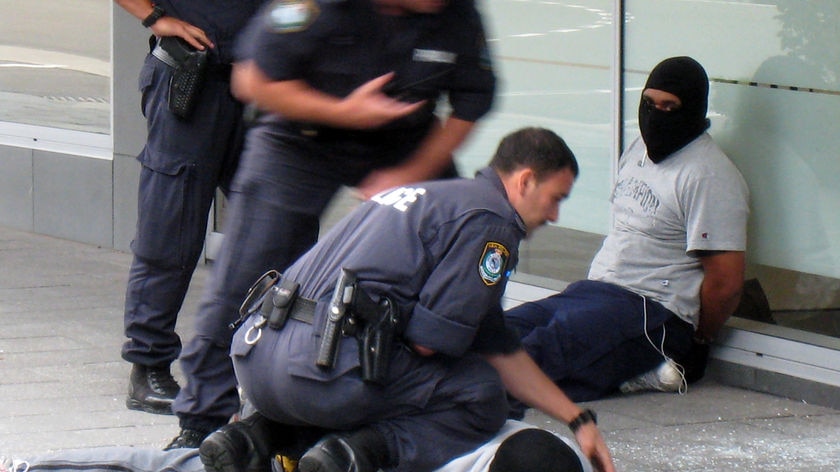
[490,407]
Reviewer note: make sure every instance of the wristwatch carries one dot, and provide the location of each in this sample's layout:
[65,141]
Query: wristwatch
[586,416]
[155,15]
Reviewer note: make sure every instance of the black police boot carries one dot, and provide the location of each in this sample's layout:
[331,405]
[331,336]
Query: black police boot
[361,451]
[151,389]
[187,438]
[243,446]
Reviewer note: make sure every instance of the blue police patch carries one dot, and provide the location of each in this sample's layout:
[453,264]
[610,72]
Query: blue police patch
[288,16]
[491,266]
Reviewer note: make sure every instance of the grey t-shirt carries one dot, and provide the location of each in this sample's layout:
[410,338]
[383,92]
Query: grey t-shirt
[694,200]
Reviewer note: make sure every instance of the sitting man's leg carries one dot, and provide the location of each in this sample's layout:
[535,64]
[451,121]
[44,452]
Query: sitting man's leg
[594,336]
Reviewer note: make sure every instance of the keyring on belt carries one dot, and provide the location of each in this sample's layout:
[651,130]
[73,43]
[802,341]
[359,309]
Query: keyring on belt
[250,339]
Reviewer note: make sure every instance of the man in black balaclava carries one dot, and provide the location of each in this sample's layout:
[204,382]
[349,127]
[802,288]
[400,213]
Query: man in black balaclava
[668,129]
[671,269]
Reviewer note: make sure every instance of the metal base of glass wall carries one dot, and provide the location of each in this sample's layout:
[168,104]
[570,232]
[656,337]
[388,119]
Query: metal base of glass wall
[779,360]
[774,383]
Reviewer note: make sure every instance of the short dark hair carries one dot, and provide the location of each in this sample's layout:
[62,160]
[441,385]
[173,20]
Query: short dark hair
[535,450]
[540,149]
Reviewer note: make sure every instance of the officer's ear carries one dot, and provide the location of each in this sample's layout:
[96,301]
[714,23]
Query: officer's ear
[517,184]
[526,180]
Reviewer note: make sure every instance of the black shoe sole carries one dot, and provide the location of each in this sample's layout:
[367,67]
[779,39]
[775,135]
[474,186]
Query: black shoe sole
[318,460]
[133,404]
[216,457]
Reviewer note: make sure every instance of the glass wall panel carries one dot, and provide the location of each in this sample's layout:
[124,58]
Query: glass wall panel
[774,68]
[55,64]
[554,61]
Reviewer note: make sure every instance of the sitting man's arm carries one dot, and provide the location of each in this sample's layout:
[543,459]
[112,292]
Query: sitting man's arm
[720,292]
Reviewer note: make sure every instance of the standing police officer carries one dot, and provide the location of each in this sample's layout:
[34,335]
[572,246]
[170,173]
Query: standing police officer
[189,152]
[348,91]
[436,256]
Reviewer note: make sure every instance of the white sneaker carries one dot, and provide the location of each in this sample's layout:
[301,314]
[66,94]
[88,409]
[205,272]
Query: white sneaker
[667,377]
[7,464]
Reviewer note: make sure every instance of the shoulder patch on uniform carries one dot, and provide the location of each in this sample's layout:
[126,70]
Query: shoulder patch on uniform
[288,16]
[493,262]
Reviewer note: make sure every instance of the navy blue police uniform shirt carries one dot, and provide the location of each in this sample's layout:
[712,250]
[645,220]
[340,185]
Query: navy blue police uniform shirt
[221,20]
[338,45]
[443,251]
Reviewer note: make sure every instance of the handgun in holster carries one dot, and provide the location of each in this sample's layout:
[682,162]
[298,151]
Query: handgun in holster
[352,312]
[189,71]
[376,340]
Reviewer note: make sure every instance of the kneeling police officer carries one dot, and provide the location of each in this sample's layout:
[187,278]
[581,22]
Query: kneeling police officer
[416,274]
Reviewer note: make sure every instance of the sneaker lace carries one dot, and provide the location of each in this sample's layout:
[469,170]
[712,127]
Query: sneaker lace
[186,438]
[162,380]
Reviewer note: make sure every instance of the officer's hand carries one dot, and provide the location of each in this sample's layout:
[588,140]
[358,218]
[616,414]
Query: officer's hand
[594,447]
[171,26]
[369,107]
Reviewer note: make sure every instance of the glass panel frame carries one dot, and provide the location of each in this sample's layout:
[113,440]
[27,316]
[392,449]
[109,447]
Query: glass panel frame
[54,84]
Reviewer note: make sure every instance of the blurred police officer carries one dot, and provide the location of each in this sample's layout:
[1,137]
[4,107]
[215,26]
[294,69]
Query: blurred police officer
[188,154]
[348,92]
[438,256]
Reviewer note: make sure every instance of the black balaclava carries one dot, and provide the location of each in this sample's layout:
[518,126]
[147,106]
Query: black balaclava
[665,132]
[535,450]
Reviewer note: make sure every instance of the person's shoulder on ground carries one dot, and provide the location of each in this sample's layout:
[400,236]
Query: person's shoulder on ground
[480,459]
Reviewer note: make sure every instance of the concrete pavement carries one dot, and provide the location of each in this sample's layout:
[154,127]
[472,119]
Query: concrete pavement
[63,384]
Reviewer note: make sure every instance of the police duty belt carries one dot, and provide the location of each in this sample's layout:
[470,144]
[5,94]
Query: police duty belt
[351,312]
[276,299]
